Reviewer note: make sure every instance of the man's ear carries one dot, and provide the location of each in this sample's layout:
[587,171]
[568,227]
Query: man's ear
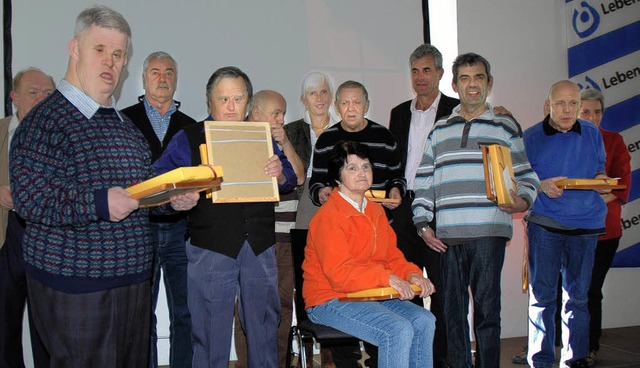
[454,86]
[73,48]
[13,97]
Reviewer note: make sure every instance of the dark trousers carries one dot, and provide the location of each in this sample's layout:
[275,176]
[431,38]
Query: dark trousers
[605,251]
[102,329]
[416,251]
[13,297]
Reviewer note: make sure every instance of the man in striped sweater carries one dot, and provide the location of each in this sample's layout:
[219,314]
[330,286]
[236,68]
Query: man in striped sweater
[472,231]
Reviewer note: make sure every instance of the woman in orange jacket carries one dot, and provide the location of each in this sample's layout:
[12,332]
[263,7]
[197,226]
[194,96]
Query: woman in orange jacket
[351,247]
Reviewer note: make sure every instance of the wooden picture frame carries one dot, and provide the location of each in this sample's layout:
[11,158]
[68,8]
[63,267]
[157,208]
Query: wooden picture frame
[159,189]
[242,148]
[498,173]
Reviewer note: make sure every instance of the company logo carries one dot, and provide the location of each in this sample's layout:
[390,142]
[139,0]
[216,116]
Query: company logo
[589,84]
[585,21]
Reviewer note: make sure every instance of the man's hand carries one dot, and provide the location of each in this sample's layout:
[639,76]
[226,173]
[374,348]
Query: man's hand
[425,284]
[323,194]
[395,194]
[605,177]
[434,243]
[501,110]
[274,169]
[6,202]
[120,204]
[185,201]
[549,187]
[518,205]
[278,133]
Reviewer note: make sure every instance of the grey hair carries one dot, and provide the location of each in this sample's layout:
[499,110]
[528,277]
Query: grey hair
[229,72]
[592,95]
[18,77]
[158,55]
[315,80]
[470,59]
[352,84]
[104,17]
[426,50]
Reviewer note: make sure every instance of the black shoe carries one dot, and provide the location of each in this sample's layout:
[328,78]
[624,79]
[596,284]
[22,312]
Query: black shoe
[580,363]
[521,357]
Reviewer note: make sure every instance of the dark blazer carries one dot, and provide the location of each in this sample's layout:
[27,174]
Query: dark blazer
[401,119]
[138,115]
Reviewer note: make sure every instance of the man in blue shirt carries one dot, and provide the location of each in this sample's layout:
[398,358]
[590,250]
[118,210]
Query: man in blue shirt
[157,116]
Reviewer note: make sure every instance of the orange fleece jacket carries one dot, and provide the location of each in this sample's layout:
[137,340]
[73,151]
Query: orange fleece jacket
[349,251]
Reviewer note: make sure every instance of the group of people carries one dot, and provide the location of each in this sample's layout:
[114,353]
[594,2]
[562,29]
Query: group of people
[88,259]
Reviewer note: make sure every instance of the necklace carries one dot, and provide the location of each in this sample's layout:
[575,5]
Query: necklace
[316,129]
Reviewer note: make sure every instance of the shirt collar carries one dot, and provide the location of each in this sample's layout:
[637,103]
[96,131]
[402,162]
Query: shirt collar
[433,106]
[353,203]
[487,115]
[87,106]
[550,130]
[149,107]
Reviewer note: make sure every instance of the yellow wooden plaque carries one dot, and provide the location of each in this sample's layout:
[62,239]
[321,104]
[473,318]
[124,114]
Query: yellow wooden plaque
[243,149]
[159,189]
[498,173]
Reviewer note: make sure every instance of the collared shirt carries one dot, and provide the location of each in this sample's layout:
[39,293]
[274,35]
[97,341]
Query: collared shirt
[159,122]
[354,203]
[550,130]
[87,106]
[13,125]
[421,124]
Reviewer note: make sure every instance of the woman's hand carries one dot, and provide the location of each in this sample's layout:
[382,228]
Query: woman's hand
[425,284]
[403,287]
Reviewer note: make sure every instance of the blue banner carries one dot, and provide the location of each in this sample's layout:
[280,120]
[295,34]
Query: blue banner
[604,53]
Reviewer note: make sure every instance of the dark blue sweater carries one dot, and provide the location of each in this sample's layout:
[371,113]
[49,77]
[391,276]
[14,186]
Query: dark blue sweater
[62,165]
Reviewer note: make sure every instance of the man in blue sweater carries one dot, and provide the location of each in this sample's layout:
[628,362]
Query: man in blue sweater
[563,227]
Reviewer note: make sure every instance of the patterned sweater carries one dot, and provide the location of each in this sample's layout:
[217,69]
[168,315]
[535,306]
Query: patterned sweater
[62,165]
[451,177]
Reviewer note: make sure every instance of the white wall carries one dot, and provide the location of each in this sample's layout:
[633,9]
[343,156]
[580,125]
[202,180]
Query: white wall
[525,42]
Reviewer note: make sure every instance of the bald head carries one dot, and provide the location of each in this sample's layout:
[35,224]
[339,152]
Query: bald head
[30,86]
[563,104]
[269,106]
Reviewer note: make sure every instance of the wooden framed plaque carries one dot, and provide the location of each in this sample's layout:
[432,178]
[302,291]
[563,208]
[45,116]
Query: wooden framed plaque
[498,173]
[589,184]
[243,149]
[157,190]
[379,196]
[381,293]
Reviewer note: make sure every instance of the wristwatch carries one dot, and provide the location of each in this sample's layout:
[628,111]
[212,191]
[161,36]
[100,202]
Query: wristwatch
[422,230]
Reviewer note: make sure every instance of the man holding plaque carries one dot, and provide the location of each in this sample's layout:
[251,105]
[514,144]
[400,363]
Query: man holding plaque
[87,248]
[231,246]
[563,227]
[158,118]
[472,231]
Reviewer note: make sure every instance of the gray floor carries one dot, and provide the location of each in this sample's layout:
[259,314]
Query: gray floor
[619,347]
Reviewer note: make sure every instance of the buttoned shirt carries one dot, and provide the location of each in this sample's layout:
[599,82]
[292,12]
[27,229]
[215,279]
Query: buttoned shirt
[421,124]
[159,122]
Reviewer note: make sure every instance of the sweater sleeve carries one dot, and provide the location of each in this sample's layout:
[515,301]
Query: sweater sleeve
[319,174]
[620,167]
[423,204]
[527,180]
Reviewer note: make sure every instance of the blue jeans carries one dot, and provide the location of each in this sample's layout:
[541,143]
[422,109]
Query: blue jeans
[214,282]
[549,255]
[476,264]
[171,257]
[402,330]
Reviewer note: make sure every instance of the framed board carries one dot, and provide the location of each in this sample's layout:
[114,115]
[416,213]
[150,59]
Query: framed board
[498,173]
[242,148]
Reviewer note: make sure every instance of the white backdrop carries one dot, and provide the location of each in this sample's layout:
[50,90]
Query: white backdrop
[275,42]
